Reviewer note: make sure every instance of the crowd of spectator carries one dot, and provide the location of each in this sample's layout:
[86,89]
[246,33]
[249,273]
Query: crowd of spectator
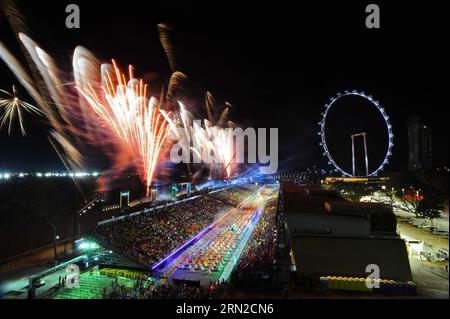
[259,252]
[234,196]
[161,289]
[148,237]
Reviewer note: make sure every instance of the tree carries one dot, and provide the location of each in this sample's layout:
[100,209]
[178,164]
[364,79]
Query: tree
[41,208]
[422,192]
[44,207]
[419,193]
[54,201]
[430,208]
[354,191]
[7,217]
[408,200]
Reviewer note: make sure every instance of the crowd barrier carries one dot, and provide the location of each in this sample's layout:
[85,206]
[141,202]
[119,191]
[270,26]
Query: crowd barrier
[130,274]
[383,286]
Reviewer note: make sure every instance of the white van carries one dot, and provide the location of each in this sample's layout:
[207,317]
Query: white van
[442,233]
[442,253]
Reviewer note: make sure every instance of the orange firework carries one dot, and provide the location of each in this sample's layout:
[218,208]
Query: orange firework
[133,117]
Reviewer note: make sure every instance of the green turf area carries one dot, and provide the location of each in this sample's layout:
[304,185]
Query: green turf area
[91,286]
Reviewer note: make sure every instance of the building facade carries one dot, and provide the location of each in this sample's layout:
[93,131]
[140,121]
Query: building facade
[420,145]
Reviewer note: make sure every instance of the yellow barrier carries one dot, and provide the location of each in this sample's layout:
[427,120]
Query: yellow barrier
[361,284]
[131,274]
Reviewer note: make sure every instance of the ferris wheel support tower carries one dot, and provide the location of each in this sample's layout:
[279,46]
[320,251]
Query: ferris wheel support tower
[364,135]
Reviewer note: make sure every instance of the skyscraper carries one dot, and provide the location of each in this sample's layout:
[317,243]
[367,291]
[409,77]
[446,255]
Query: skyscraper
[420,144]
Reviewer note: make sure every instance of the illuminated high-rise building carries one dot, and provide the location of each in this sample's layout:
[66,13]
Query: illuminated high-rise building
[420,145]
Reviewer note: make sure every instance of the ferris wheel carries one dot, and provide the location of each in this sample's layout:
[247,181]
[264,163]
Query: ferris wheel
[323,142]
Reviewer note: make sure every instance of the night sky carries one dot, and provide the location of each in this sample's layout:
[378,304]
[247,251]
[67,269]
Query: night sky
[277,63]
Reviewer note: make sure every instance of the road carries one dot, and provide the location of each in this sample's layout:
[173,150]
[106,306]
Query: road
[431,279]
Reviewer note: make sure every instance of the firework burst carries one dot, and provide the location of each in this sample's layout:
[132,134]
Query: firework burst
[209,143]
[96,110]
[13,107]
[133,117]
